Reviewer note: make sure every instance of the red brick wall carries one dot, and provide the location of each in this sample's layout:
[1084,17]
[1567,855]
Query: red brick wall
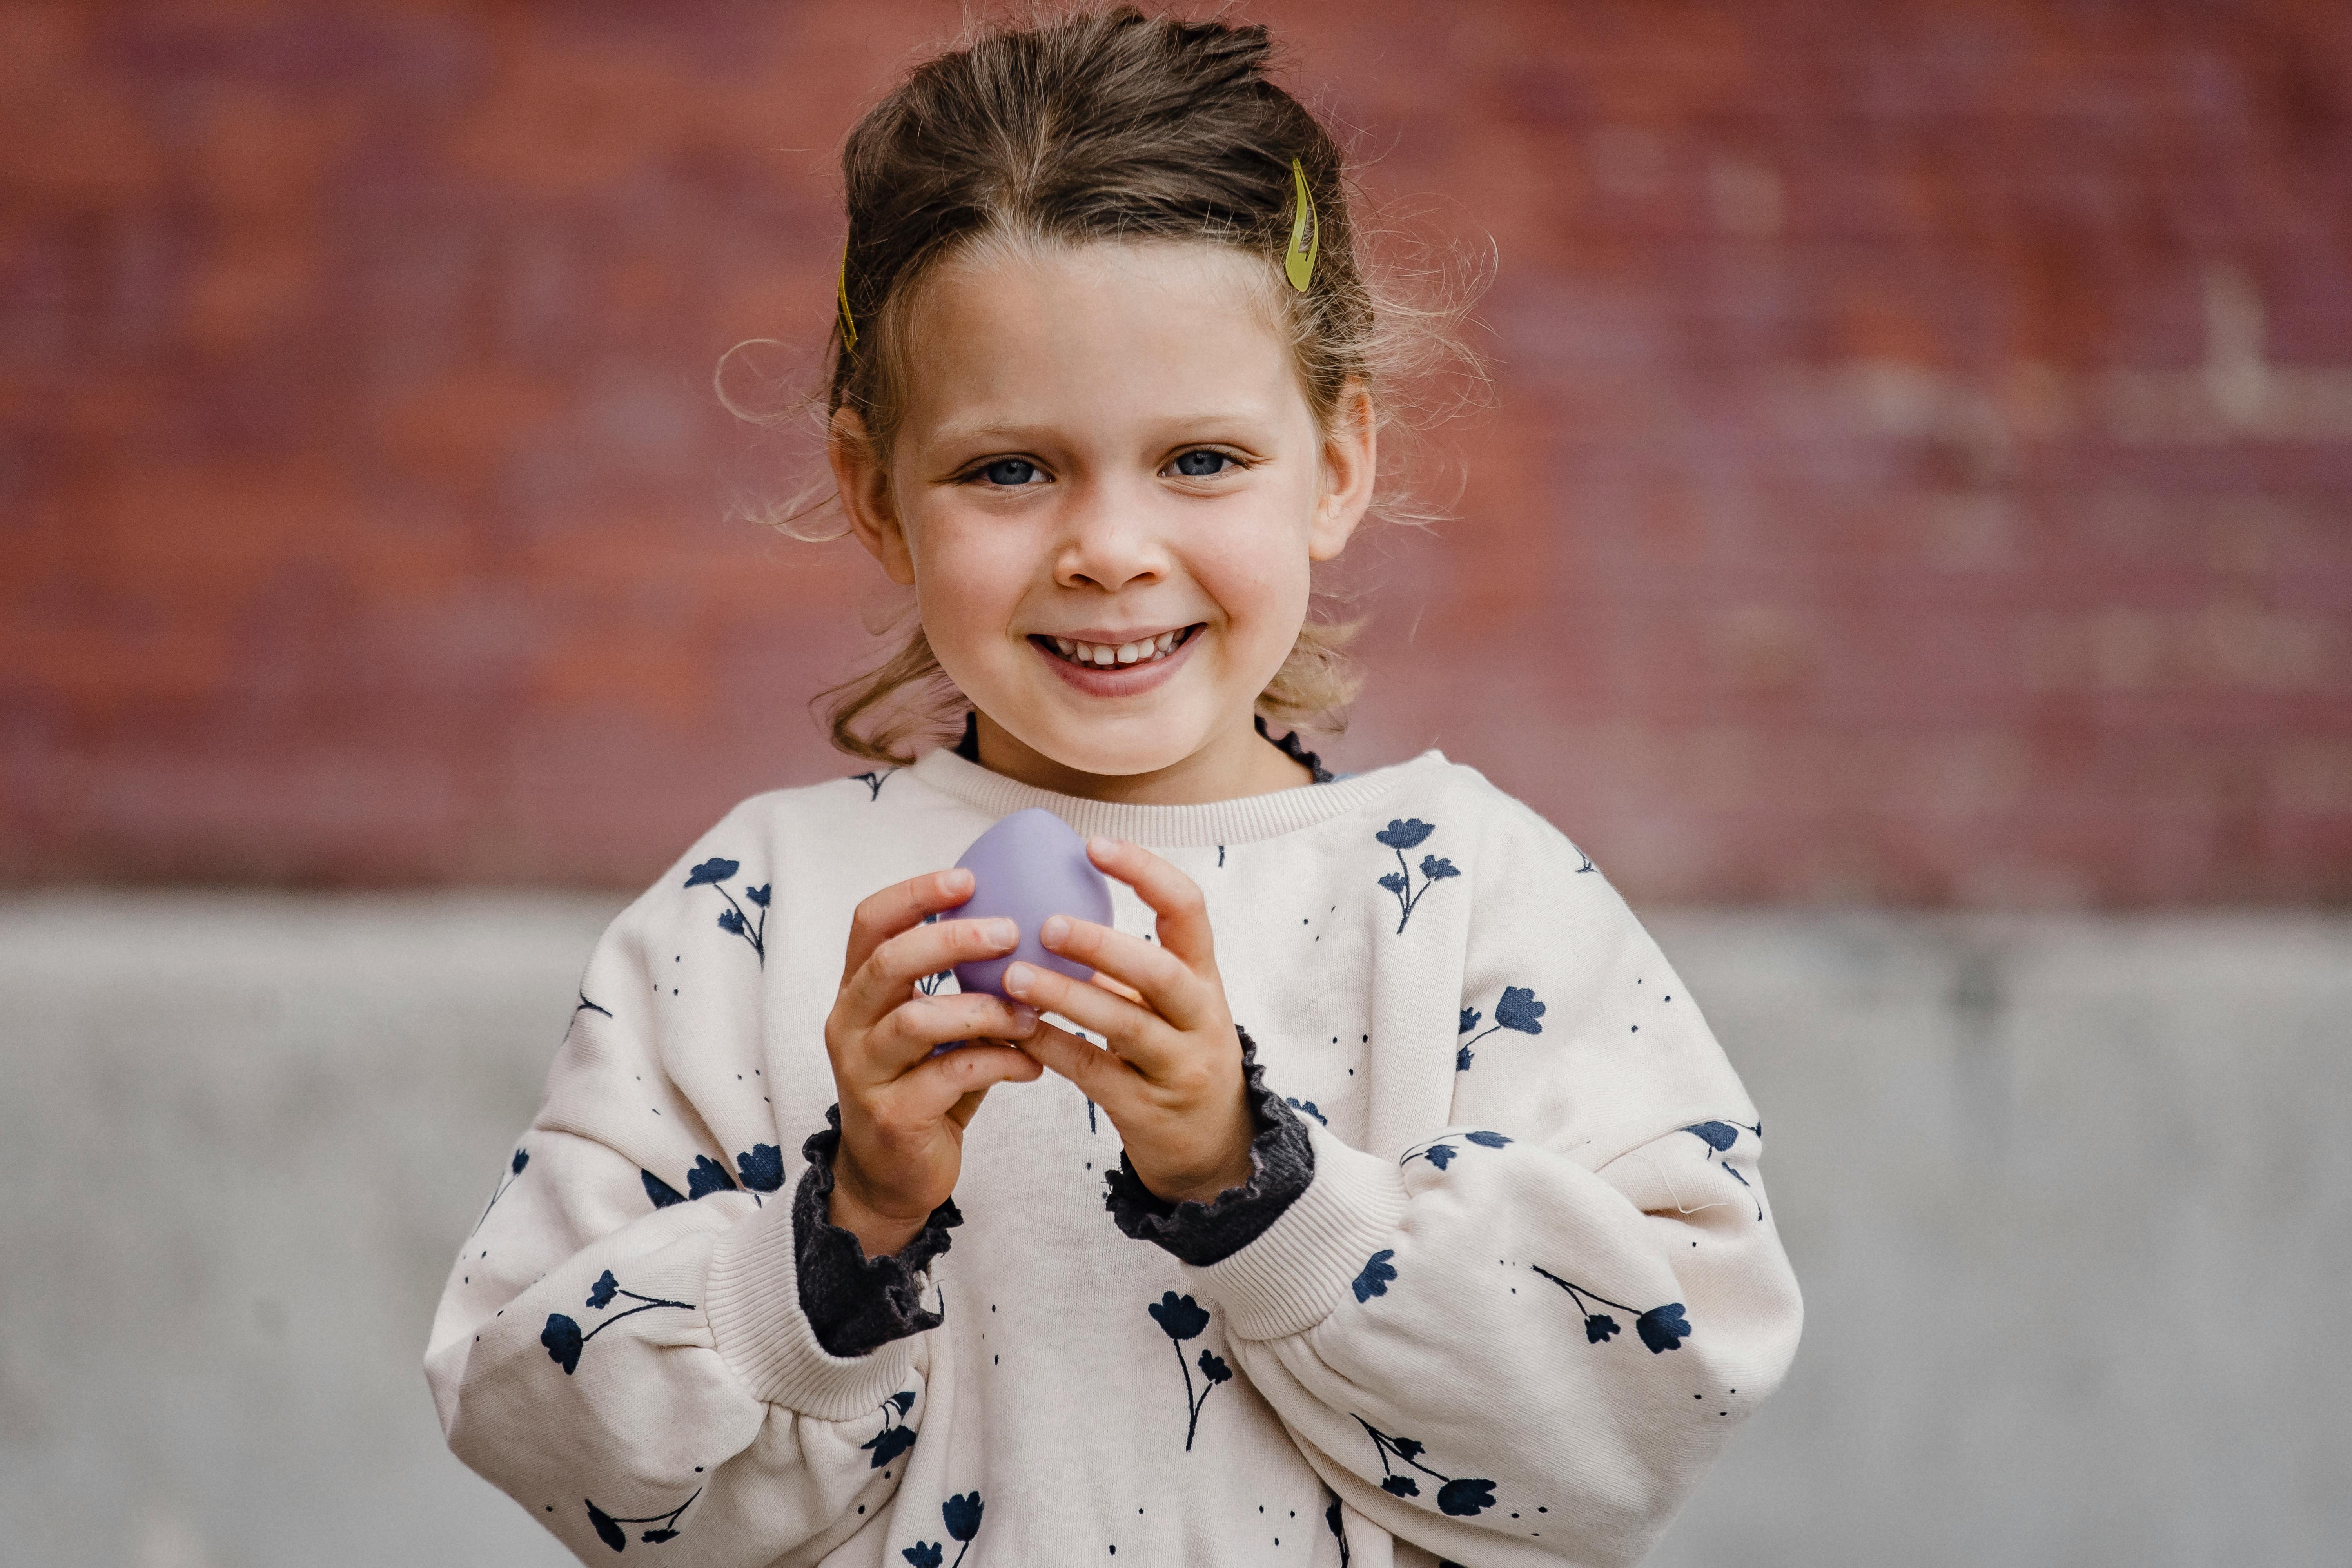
[1921,470]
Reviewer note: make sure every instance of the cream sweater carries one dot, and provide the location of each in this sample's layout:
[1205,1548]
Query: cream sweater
[1507,1314]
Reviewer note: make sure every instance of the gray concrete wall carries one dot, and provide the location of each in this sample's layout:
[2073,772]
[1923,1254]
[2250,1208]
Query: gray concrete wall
[2071,1198]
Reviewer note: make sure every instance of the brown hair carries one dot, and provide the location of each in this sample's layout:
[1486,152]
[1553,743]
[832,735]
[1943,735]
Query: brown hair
[1099,125]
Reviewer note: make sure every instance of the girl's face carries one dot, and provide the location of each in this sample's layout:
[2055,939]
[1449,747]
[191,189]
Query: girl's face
[1106,491]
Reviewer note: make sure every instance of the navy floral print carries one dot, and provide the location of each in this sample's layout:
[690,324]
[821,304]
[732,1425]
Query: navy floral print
[514,1171]
[1442,1153]
[564,1342]
[1662,1329]
[1719,1136]
[660,1193]
[960,1515]
[762,1170]
[1181,1318]
[896,1437]
[875,781]
[1518,1011]
[733,920]
[1308,1106]
[608,1528]
[1462,1496]
[1378,1273]
[1399,836]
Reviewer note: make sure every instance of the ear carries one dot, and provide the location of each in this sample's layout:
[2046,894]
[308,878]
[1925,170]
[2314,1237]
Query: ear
[863,482]
[1351,459]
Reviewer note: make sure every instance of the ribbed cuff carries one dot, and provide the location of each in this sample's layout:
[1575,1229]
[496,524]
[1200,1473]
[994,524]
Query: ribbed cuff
[1291,1278]
[753,1303]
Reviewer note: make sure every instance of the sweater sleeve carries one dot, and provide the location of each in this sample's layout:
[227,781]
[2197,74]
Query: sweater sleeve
[637,1364]
[1524,1338]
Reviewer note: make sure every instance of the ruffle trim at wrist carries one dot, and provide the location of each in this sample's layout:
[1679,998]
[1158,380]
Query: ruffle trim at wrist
[855,1303]
[1282,1166]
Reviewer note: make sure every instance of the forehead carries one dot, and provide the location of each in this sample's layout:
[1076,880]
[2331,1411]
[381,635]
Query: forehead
[1011,335]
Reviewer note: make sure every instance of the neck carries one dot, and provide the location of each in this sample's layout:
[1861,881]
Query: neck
[1238,761]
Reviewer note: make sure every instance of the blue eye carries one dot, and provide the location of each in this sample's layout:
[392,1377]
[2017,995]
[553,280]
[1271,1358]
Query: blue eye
[1010,471]
[1202,465]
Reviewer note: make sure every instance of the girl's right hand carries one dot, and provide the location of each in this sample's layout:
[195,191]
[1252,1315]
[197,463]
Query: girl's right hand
[903,1110]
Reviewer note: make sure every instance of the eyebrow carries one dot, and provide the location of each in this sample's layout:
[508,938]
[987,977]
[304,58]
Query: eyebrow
[990,431]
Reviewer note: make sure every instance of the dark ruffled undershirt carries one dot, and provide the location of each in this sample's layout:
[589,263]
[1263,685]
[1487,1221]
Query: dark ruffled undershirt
[857,1303]
[1282,1164]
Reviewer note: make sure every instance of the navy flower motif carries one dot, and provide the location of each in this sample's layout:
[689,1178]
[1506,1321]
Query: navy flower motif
[707,1176]
[562,1338]
[1377,1275]
[1399,836]
[1719,1136]
[762,1168]
[1661,1328]
[1462,1496]
[564,1342]
[1588,865]
[896,1437]
[1307,1106]
[588,1006]
[1331,1523]
[1405,834]
[662,1194]
[1463,1499]
[1213,1368]
[1181,1318]
[1517,1011]
[514,1169]
[608,1528]
[875,781]
[1442,1153]
[733,920]
[961,1514]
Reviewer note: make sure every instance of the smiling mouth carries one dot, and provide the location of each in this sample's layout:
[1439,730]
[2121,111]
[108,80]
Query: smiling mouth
[1117,656]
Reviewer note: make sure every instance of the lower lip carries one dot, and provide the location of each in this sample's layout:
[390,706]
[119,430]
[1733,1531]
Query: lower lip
[1121,679]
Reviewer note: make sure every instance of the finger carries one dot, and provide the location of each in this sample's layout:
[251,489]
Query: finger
[881,983]
[1135,1033]
[941,1086]
[1099,1075]
[1159,979]
[923,1024]
[901,907]
[1171,895]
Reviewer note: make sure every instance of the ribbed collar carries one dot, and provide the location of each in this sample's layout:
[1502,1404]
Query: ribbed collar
[1242,821]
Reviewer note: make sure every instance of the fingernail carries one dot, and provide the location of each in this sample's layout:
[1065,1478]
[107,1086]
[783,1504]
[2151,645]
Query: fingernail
[1003,933]
[1056,928]
[1017,978]
[1025,1018]
[1099,845]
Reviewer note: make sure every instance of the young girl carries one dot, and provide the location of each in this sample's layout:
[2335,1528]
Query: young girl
[1434,1230]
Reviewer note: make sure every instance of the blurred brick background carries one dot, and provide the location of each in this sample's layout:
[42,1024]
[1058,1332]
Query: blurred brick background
[1922,470]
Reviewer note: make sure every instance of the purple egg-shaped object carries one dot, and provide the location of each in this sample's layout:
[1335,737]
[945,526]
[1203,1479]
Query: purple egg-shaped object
[1028,866]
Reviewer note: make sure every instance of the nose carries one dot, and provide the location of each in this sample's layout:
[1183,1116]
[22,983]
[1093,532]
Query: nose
[1108,541]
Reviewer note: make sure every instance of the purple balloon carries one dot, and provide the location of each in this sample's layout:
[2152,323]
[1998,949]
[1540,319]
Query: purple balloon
[1028,866]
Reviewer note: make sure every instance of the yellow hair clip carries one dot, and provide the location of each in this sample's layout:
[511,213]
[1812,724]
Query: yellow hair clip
[1306,235]
[848,321]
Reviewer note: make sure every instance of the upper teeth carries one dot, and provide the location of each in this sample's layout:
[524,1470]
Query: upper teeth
[1118,653]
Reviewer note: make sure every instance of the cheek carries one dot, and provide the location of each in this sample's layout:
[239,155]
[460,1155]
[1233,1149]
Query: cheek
[968,582]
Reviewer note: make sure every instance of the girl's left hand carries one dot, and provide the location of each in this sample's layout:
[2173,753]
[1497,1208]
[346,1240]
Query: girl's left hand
[1172,1079]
